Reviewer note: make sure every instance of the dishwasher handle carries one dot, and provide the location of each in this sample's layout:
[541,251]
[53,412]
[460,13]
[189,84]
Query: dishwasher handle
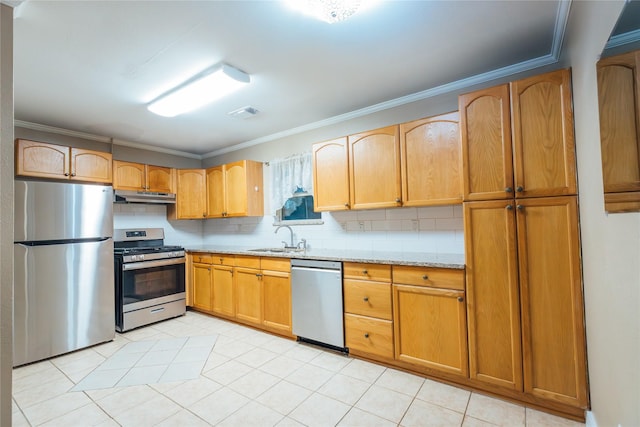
[317,264]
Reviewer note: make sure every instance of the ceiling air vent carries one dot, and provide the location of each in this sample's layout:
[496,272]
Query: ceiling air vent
[244,112]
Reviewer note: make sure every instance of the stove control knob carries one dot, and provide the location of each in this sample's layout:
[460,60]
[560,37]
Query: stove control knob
[141,257]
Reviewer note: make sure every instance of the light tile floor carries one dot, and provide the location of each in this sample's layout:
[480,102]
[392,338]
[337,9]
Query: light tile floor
[249,378]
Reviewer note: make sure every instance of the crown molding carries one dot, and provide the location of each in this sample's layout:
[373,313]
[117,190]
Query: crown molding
[562,18]
[624,38]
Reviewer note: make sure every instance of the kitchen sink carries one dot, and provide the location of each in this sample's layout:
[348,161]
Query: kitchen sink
[281,250]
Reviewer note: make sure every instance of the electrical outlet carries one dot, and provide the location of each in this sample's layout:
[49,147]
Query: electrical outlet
[361,225]
[415,224]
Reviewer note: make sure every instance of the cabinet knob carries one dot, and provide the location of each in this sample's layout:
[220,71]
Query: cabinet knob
[365,299]
[425,277]
[73,174]
[346,205]
[258,275]
[221,260]
[509,190]
[398,200]
[365,272]
[66,174]
[366,334]
[204,214]
[519,189]
[460,299]
[520,208]
[509,207]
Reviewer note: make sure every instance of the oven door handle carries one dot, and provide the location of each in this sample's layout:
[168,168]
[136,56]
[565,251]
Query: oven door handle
[154,263]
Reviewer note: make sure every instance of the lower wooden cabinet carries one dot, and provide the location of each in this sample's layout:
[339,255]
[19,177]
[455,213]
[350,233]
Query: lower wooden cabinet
[430,326]
[369,335]
[248,283]
[202,286]
[222,292]
[276,291]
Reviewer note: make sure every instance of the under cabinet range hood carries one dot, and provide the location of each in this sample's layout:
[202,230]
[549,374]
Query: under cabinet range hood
[128,196]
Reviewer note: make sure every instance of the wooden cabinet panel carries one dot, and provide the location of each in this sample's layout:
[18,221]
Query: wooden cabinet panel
[202,286]
[430,328]
[369,335]
[128,176]
[44,160]
[222,292]
[619,105]
[215,192]
[89,165]
[431,161]
[277,300]
[276,264]
[493,302]
[485,124]
[374,169]
[363,271]
[553,333]
[428,276]
[248,290]
[236,191]
[330,175]
[367,298]
[160,179]
[190,203]
[542,115]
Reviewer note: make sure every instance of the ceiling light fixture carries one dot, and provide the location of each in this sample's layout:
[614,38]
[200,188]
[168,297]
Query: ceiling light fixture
[203,88]
[330,11]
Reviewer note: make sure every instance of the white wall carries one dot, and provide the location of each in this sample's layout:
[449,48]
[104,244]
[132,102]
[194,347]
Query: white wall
[429,229]
[6,212]
[610,243]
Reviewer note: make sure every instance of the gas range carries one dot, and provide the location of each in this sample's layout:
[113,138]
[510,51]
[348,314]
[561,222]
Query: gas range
[135,245]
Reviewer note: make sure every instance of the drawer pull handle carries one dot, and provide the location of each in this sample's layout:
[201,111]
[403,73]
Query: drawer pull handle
[365,299]
[460,299]
[366,334]
[221,261]
[425,277]
[519,189]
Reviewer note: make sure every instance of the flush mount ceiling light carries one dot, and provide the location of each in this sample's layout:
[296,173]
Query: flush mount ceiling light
[330,11]
[203,88]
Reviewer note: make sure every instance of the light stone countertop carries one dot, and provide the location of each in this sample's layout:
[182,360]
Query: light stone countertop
[453,261]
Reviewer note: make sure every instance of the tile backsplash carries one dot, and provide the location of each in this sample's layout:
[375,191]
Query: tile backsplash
[427,229]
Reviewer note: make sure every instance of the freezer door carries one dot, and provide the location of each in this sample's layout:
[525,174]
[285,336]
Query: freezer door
[61,211]
[63,298]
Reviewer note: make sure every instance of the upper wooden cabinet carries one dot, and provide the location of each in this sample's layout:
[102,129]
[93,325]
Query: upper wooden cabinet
[141,177]
[190,191]
[540,159]
[44,160]
[235,189]
[331,175]
[618,98]
[431,161]
[374,169]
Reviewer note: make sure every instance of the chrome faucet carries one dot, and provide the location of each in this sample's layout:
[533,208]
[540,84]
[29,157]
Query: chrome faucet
[291,245]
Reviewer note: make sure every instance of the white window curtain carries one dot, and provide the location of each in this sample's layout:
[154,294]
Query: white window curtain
[289,174]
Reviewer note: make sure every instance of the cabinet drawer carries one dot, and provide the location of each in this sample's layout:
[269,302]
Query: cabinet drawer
[247,261]
[223,259]
[432,277]
[275,264]
[367,298]
[363,271]
[201,258]
[369,335]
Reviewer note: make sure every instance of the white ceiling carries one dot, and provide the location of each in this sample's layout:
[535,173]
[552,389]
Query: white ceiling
[91,66]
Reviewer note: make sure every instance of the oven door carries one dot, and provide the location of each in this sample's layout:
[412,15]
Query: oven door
[147,283]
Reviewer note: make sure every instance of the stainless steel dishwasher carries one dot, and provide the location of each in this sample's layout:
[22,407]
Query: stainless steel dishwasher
[316,302]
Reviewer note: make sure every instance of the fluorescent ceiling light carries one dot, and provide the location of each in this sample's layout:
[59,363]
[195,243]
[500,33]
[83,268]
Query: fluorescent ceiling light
[200,90]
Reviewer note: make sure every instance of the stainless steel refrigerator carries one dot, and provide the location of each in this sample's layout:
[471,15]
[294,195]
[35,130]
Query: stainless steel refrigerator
[63,269]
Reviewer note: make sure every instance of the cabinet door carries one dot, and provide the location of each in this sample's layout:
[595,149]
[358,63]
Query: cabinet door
[236,189]
[551,300]
[544,147]
[190,194]
[89,165]
[374,169]
[160,179]
[128,176]
[223,302]
[215,192]
[330,175]
[202,286]
[248,287]
[485,129]
[493,302]
[277,300]
[430,328]
[431,159]
[42,160]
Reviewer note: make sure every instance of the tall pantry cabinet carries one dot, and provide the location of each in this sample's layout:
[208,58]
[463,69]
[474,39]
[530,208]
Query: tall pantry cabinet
[524,286]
